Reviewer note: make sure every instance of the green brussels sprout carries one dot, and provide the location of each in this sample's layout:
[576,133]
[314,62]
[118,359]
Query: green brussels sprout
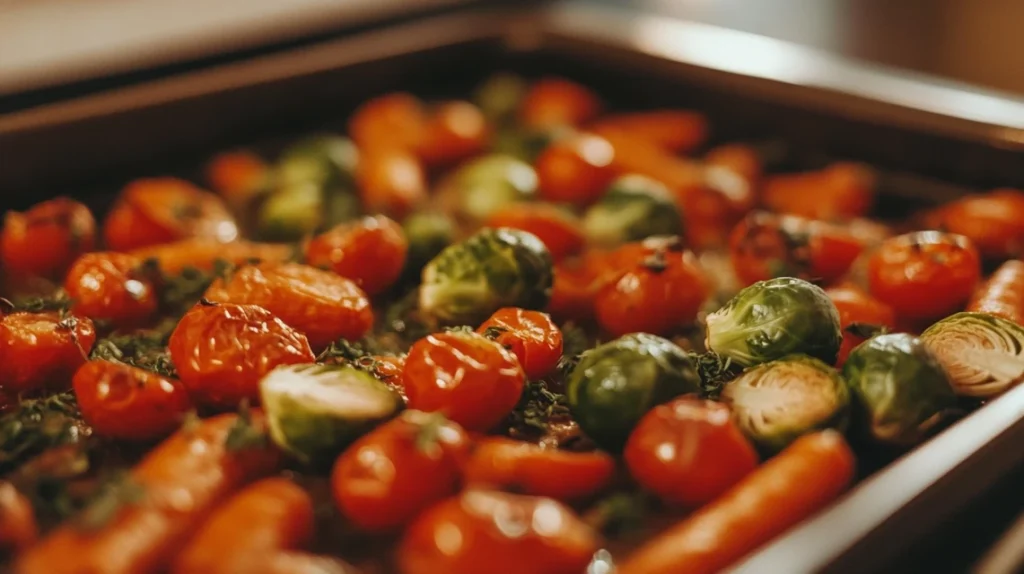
[315,411]
[634,207]
[487,184]
[528,143]
[428,233]
[327,160]
[775,403]
[494,268]
[983,355]
[771,319]
[290,212]
[499,95]
[616,383]
[900,391]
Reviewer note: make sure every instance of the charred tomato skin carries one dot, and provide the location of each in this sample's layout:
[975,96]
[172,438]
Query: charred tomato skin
[112,287]
[371,252]
[46,239]
[42,351]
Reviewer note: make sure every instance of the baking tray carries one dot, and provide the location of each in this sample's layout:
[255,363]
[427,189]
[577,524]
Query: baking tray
[932,140]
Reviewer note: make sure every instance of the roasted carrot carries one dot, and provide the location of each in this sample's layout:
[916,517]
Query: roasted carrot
[676,131]
[1003,293]
[204,253]
[180,482]
[18,529]
[802,479]
[271,515]
[838,192]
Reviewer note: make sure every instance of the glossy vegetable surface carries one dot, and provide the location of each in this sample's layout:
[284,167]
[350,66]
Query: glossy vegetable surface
[982,354]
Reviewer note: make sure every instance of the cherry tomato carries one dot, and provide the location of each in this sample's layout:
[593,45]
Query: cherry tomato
[395,120]
[370,251]
[529,468]
[127,403]
[576,170]
[45,240]
[389,369]
[482,532]
[558,229]
[993,221]
[658,292]
[162,210]
[237,175]
[112,287]
[838,192]
[531,336]
[689,451]
[321,304]
[859,314]
[675,131]
[42,350]
[558,102]
[469,378]
[577,282]
[390,475]
[924,275]
[765,245]
[741,161]
[390,180]
[222,350]
[454,131]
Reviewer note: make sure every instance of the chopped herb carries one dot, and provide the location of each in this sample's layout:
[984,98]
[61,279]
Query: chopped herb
[59,301]
[180,292]
[494,333]
[244,435]
[115,493]
[47,480]
[403,317]
[145,350]
[538,409]
[38,424]
[344,350]
[715,370]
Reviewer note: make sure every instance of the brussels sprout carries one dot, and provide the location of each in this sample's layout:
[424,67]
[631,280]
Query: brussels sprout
[499,96]
[290,212]
[527,143]
[771,319]
[983,355]
[485,185]
[492,269]
[315,411]
[616,383]
[634,207]
[327,160]
[899,389]
[428,234]
[774,403]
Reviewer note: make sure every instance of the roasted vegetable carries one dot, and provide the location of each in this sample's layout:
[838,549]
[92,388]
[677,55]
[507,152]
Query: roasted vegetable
[489,183]
[983,354]
[291,212]
[315,411]
[899,388]
[771,319]
[493,269]
[329,161]
[774,403]
[499,95]
[428,233]
[634,207]
[615,384]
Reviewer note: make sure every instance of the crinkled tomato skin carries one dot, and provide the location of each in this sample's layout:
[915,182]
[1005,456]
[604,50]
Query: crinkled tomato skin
[46,239]
[689,451]
[222,350]
[390,475]
[112,287]
[321,304]
[370,251]
[42,351]
[482,532]
[128,403]
[531,336]
[465,376]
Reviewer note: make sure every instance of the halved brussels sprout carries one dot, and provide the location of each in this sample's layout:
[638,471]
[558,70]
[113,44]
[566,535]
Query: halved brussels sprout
[499,96]
[634,207]
[899,388]
[616,383]
[315,411]
[290,212]
[983,355]
[428,234]
[494,268]
[774,403]
[487,184]
[771,319]
[327,160]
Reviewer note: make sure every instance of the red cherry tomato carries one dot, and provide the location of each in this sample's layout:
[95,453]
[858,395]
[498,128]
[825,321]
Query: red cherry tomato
[656,293]
[859,313]
[391,181]
[558,102]
[370,251]
[112,287]
[840,191]
[532,469]
[480,532]
[395,120]
[924,275]
[41,351]
[45,240]
[765,245]
[576,170]
[689,451]
[321,304]
[531,336]
[576,284]
[127,403]
[994,222]
[237,175]
[454,131]
[390,475]
[558,229]
[388,369]
[222,350]
[469,378]
[162,210]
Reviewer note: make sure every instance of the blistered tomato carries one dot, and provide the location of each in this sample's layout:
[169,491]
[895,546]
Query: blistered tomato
[112,287]
[370,251]
[41,351]
[531,336]
[46,239]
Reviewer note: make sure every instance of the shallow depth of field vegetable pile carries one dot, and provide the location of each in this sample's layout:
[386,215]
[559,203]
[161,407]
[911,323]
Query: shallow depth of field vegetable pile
[517,334]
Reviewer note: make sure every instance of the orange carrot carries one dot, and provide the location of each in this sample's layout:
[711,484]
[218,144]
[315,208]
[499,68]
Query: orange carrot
[180,482]
[203,253]
[18,528]
[1003,293]
[799,481]
[676,131]
[271,515]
